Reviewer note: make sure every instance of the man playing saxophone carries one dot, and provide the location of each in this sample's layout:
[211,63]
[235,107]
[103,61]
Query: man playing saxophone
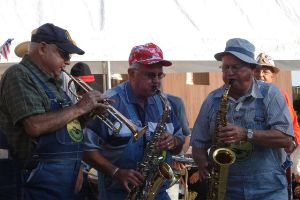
[258,128]
[120,160]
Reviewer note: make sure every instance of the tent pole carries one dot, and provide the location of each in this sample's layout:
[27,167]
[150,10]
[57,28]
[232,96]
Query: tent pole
[108,75]
[104,71]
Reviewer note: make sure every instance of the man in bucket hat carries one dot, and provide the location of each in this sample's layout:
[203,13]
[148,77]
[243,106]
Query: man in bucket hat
[258,128]
[39,119]
[116,157]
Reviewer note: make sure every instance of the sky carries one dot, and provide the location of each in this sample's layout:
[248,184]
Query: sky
[295,78]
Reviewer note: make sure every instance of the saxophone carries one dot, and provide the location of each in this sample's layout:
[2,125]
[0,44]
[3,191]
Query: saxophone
[222,157]
[152,168]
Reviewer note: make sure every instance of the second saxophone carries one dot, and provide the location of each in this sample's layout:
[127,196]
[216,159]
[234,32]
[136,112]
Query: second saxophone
[220,155]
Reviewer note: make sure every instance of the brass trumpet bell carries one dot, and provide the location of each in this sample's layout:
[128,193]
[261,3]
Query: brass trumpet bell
[120,119]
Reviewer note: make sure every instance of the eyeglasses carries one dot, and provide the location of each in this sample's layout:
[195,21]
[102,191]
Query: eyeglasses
[152,75]
[234,68]
[63,54]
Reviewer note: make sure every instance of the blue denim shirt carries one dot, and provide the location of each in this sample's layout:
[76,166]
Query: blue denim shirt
[120,148]
[258,175]
[178,107]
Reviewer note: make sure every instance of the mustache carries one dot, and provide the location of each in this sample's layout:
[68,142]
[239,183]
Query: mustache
[231,80]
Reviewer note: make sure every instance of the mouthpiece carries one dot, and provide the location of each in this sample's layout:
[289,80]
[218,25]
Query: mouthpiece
[155,90]
[230,81]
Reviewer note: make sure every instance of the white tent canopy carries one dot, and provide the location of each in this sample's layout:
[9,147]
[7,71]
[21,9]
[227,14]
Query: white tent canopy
[189,32]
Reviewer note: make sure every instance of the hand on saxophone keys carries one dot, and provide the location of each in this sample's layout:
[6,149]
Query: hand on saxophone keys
[129,178]
[232,134]
[166,142]
[203,170]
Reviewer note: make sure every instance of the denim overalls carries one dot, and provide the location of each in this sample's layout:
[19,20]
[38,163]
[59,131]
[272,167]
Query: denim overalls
[9,171]
[259,175]
[131,155]
[52,169]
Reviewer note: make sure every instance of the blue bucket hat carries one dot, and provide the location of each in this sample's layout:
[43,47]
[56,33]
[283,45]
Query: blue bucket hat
[240,48]
[52,34]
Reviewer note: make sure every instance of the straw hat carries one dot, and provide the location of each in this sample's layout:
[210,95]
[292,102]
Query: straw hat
[22,48]
[265,60]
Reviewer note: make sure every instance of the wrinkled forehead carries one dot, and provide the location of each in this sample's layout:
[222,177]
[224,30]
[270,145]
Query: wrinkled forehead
[228,57]
[265,68]
[152,67]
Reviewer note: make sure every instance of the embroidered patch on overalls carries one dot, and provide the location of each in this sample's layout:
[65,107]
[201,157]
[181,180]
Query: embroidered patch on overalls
[242,150]
[75,130]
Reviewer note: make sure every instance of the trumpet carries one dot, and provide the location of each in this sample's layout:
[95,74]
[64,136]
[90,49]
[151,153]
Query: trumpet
[114,126]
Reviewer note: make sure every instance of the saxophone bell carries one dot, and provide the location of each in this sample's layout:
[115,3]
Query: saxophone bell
[165,172]
[224,156]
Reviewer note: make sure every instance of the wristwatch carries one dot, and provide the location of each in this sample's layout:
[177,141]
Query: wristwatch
[249,134]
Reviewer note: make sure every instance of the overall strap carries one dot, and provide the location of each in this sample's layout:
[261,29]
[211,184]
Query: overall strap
[260,106]
[29,161]
[120,89]
[48,91]
[158,103]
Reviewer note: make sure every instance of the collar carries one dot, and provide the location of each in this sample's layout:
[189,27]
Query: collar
[35,68]
[254,90]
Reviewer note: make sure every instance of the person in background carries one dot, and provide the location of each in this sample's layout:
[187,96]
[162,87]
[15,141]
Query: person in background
[258,128]
[83,72]
[41,123]
[296,188]
[116,156]
[178,107]
[295,169]
[195,187]
[267,72]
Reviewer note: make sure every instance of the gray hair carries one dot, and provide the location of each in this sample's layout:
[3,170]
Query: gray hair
[32,46]
[135,65]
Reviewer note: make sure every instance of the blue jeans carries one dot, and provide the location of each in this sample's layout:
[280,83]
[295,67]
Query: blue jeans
[51,180]
[8,180]
[257,187]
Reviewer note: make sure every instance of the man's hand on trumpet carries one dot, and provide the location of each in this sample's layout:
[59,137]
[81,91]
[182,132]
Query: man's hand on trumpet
[92,101]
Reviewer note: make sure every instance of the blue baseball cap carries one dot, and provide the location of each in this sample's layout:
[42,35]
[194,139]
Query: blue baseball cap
[52,34]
